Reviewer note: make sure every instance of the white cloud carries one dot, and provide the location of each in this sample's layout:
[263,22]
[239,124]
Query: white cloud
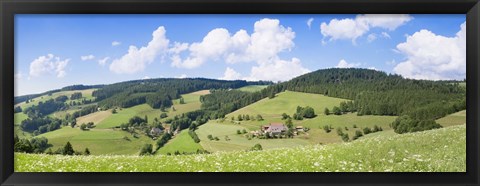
[385,35]
[371,37]
[433,57]
[279,70]
[146,77]
[269,38]
[183,76]
[309,23]
[372,68]
[344,64]
[353,28]
[343,29]
[103,61]
[137,59]
[49,64]
[231,74]
[392,62]
[385,21]
[88,57]
[116,43]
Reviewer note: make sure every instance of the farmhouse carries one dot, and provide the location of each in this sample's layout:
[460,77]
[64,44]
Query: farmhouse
[299,128]
[155,131]
[274,128]
[167,129]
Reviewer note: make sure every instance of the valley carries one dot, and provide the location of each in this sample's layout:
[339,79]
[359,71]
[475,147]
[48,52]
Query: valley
[121,120]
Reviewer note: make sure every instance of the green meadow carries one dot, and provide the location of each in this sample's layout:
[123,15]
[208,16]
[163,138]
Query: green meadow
[87,94]
[98,141]
[453,119]
[104,139]
[253,88]
[440,150]
[237,141]
[182,142]
[287,102]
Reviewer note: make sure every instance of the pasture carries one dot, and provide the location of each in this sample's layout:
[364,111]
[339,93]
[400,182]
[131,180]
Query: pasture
[440,150]
[87,94]
[252,88]
[98,141]
[182,142]
[457,118]
[287,102]
[237,141]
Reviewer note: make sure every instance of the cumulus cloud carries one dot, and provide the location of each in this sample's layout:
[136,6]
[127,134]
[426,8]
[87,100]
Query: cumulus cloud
[269,38]
[351,29]
[309,22]
[88,57]
[434,57]
[137,59]
[103,61]
[344,64]
[279,70]
[116,43]
[49,64]
[231,74]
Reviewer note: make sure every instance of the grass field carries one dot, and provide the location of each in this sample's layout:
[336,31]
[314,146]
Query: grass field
[96,117]
[453,119]
[237,141]
[87,94]
[253,88]
[181,142]
[98,141]
[18,118]
[440,150]
[105,140]
[287,102]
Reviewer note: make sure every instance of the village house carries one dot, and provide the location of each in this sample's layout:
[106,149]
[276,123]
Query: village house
[155,131]
[299,128]
[167,130]
[274,128]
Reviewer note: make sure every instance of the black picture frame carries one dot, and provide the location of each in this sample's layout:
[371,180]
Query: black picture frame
[8,9]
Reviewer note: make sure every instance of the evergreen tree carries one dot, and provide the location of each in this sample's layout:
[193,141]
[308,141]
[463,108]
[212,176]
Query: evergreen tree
[87,152]
[68,149]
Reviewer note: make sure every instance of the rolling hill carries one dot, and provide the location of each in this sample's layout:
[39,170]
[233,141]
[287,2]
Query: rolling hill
[440,150]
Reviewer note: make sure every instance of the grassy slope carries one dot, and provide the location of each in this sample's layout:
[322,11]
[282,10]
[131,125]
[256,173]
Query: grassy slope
[237,141]
[87,94]
[124,115]
[453,119]
[287,102]
[271,110]
[104,140]
[441,150]
[253,88]
[181,142]
[98,141]
[96,117]
[18,118]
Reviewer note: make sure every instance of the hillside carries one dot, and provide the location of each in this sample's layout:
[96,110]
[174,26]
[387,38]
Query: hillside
[440,150]
[103,139]
[271,111]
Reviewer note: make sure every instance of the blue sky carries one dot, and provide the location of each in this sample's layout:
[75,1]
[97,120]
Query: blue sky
[53,51]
